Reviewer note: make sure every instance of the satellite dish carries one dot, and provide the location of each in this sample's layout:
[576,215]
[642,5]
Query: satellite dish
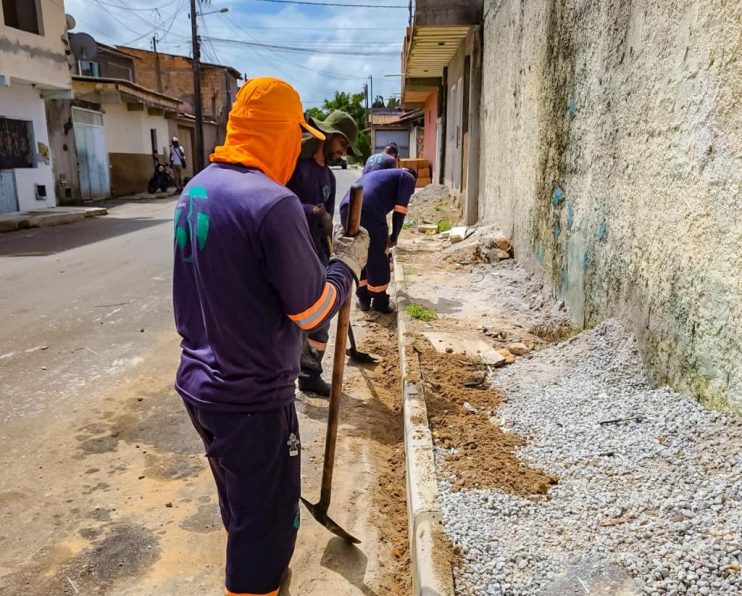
[83,46]
[71,22]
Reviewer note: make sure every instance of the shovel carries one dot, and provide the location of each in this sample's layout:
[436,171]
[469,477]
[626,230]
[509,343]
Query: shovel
[319,510]
[355,355]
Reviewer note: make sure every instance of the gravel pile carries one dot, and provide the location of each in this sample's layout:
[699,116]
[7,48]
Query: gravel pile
[650,483]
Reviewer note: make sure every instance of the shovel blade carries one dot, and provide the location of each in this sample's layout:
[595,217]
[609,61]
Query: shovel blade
[361,357]
[320,514]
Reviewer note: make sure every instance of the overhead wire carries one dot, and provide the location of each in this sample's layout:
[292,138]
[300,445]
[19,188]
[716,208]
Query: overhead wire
[303,50]
[342,5]
[326,74]
[130,9]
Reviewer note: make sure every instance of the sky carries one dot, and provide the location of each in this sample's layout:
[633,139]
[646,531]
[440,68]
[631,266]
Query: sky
[341,45]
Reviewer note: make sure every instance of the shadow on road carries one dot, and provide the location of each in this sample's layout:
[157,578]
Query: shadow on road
[349,561]
[40,242]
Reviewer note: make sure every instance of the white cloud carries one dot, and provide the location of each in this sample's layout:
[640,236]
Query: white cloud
[316,76]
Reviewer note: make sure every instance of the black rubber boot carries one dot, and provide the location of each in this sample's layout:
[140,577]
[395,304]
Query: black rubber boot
[381,304]
[364,300]
[314,383]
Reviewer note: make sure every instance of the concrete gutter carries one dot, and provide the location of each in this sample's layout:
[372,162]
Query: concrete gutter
[55,216]
[431,575]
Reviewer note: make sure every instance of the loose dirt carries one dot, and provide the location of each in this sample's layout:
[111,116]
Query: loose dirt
[368,498]
[390,514]
[475,451]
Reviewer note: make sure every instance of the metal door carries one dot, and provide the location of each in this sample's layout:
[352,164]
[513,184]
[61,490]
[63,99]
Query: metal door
[401,137]
[8,197]
[92,154]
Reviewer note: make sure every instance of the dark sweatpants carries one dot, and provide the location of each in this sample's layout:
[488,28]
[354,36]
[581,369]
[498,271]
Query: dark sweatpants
[258,482]
[375,276]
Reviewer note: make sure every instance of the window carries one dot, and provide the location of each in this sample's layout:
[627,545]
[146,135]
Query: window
[23,14]
[88,68]
[16,144]
[153,139]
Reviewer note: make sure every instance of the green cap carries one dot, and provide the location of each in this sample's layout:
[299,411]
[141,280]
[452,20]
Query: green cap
[340,123]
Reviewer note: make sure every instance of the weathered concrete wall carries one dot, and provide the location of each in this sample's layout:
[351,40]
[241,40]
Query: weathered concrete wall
[64,153]
[612,153]
[19,49]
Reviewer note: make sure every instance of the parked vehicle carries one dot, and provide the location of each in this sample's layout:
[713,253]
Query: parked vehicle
[162,178]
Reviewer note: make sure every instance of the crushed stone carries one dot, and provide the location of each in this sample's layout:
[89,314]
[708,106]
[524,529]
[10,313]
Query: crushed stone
[650,482]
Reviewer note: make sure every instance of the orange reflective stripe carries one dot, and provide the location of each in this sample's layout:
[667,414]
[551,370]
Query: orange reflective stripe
[363,283]
[378,288]
[228,593]
[400,209]
[318,311]
[317,345]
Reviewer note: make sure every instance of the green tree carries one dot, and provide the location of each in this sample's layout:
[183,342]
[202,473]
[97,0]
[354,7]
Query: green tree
[378,102]
[393,102]
[353,104]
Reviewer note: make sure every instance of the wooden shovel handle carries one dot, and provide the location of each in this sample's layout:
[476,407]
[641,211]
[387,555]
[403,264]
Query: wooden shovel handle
[338,364]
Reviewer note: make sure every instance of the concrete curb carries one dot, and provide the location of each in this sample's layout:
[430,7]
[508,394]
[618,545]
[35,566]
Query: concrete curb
[48,217]
[429,578]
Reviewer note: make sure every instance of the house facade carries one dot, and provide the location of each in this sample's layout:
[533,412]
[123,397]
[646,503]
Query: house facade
[442,75]
[34,67]
[172,75]
[106,137]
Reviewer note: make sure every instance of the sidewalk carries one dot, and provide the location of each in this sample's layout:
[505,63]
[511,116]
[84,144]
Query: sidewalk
[54,216]
[559,468]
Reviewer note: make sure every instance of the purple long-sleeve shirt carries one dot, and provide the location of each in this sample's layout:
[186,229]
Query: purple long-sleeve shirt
[246,284]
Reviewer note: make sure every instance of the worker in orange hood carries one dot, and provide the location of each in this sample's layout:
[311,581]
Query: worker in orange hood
[247,285]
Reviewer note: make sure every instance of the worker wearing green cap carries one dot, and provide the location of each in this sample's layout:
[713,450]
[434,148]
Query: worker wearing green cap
[314,183]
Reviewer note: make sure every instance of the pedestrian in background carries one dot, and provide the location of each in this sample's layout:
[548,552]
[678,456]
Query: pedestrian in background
[177,163]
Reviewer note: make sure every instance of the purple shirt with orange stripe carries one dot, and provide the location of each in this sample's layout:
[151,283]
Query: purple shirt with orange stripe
[246,284]
[385,191]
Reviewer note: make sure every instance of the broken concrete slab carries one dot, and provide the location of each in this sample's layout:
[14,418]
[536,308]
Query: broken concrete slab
[460,233]
[464,343]
[428,229]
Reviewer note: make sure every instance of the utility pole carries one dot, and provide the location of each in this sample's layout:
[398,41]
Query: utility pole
[365,90]
[371,90]
[198,158]
[157,64]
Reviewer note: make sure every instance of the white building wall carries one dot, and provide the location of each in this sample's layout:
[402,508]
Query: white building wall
[129,131]
[23,102]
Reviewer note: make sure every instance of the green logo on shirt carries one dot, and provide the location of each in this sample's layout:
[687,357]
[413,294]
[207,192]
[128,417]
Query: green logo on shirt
[184,232]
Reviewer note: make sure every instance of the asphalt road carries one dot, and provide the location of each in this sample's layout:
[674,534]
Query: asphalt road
[104,489]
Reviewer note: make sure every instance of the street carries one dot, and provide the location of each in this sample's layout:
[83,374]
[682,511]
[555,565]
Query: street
[105,489]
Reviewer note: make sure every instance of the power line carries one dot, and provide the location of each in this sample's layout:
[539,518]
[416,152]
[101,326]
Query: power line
[326,74]
[302,50]
[154,8]
[343,5]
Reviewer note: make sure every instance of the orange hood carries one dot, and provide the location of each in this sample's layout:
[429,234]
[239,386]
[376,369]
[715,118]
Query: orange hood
[264,129]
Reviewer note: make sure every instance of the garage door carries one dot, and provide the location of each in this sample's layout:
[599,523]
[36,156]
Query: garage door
[401,137]
[92,155]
